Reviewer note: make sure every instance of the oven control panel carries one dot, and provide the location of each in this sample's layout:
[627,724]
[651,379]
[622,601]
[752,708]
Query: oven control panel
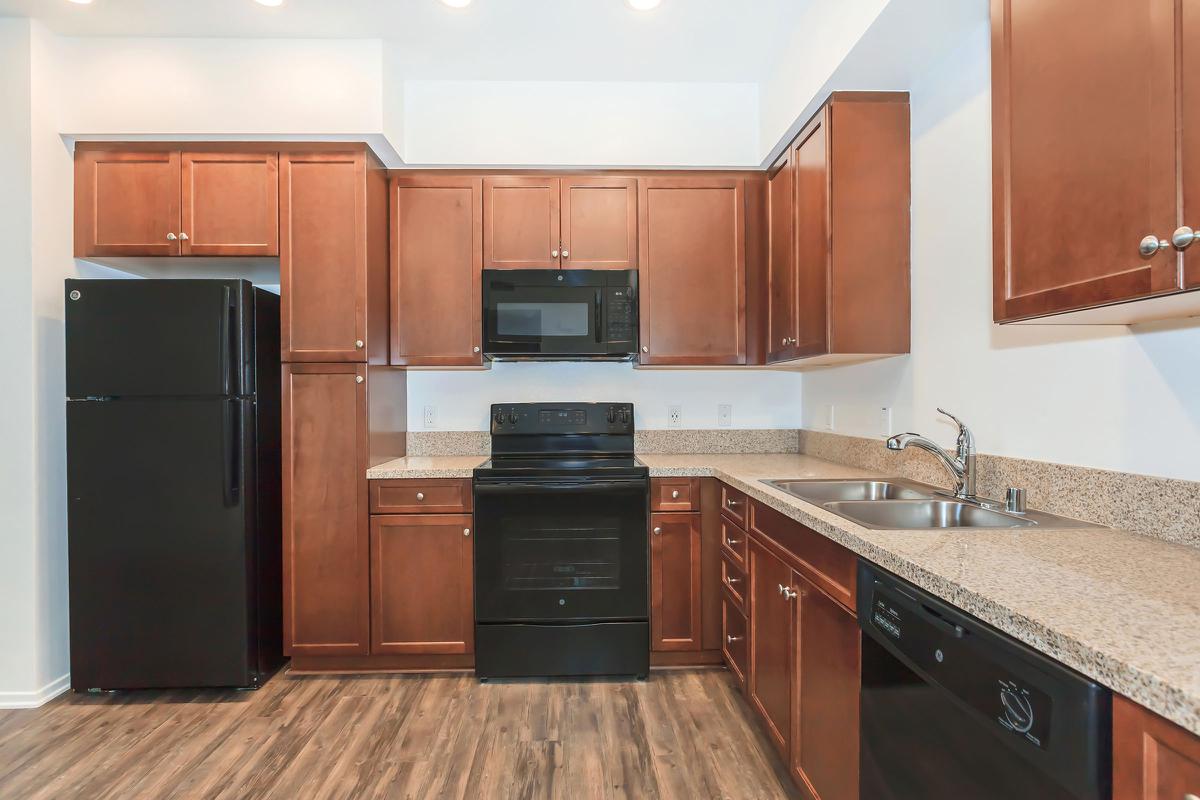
[548,419]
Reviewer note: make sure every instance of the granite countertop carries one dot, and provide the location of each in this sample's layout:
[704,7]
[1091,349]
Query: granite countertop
[1116,606]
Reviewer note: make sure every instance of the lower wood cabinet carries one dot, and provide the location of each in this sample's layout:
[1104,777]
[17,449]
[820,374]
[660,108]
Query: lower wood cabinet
[771,643]
[733,640]
[675,587]
[422,584]
[1153,759]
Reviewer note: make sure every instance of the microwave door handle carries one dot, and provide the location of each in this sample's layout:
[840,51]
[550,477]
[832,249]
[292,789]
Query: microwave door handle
[599,316]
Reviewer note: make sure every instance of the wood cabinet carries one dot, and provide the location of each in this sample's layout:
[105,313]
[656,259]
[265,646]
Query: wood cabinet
[573,222]
[675,494]
[333,257]
[1190,137]
[171,203]
[1085,122]
[436,270]
[771,644]
[325,536]
[733,640]
[422,595]
[837,295]
[692,270]
[675,587]
[1153,759]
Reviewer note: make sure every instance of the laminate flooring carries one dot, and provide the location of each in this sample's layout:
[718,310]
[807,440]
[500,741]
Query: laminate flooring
[683,734]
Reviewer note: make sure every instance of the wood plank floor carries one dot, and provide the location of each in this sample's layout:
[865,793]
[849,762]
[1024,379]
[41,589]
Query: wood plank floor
[683,734]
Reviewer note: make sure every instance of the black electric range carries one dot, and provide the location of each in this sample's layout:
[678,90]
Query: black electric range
[561,557]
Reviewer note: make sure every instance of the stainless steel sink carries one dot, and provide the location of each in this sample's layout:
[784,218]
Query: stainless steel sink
[925,515]
[820,492]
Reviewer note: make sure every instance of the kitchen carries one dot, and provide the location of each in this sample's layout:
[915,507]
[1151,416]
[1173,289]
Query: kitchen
[791,234]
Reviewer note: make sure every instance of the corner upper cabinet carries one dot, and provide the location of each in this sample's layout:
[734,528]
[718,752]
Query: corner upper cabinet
[436,270]
[1085,169]
[598,223]
[1190,152]
[837,293]
[521,222]
[230,204]
[692,270]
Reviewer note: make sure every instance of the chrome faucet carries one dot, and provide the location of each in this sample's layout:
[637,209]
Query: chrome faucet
[961,465]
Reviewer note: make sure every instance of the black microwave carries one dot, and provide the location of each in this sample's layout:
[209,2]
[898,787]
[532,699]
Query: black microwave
[560,315]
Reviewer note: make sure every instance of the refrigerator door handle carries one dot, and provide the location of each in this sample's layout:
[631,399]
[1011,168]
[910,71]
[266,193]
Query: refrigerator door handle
[228,358]
[231,457]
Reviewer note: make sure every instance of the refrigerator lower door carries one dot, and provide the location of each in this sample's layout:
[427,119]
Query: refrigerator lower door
[161,543]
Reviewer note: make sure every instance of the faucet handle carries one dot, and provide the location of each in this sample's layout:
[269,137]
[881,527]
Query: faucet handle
[966,440]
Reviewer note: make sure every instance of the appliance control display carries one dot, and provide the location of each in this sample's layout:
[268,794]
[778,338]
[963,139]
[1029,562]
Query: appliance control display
[562,416]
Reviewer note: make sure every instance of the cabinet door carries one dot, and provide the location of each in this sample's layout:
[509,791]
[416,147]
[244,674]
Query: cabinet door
[811,155]
[521,223]
[825,696]
[1084,165]
[675,586]
[126,204]
[771,647]
[782,334]
[230,204]
[325,531]
[422,595]
[692,270]
[1153,759]
[599,223]
[1190,151]
[437,262]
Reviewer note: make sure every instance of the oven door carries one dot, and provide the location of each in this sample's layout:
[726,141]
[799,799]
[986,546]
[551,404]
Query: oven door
[561,550]
[543,320]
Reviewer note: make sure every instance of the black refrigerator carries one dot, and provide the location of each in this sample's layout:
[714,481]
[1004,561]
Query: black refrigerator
[173,474]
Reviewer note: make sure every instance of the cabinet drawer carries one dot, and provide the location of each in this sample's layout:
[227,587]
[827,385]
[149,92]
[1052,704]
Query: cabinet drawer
[423,496]
[733,639]
[733,542]
[734,505]
[675,494]
[733,578]
[826,563]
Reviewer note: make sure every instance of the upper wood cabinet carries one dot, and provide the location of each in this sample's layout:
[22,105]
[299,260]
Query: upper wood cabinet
[1153,759]
[422,584]
[325,531]
[839,234]
[333,260]
[675,588]
[171,203]
[436,275]
[1190,218]
[570,222]
[230,204]
[692,270]
[599,223]
[1085,165]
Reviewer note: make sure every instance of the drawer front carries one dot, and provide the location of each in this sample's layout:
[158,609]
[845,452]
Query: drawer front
[421,496]
[734,505]
[733,542]
[675,494]
[823,561]
[733,639]
[733,578]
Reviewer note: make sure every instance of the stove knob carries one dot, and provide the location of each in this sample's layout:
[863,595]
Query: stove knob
[612,415]
[499,417]
[512,417]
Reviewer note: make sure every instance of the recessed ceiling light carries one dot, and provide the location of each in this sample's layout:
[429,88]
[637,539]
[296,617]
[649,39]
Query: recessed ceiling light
[642,5]
[457,3]
[271,3]
[81,2]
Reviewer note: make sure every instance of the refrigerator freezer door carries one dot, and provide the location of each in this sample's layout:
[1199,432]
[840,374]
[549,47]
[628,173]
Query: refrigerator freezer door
[161,543]
[164,338]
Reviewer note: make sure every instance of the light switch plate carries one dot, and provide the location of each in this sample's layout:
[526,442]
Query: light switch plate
[885,422]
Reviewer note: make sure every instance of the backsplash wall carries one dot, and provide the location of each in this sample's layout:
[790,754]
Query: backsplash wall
[461,398]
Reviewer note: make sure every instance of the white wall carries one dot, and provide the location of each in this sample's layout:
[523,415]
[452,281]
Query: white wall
[1114,398]
[760,398]
[555,123]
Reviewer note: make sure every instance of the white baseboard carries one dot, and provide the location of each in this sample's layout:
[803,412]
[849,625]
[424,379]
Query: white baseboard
[37,697]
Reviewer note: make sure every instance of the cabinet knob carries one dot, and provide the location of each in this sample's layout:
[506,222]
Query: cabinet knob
[658,531]
[474,349]
[566,253]
[733,542]
[789,593]
[554,254]
[359,379]
[358,343]
[171,237]
[645,349]
[183,237]
[466,531]
[731,503]
[730,638]
[420,496]
[1183,238]
[675,495]
[1151,245]
[732,580]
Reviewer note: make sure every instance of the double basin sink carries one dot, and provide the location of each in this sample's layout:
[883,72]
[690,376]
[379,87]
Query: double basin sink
[893,504]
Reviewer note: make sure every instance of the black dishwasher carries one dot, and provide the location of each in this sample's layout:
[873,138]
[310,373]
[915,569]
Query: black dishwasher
[952,708]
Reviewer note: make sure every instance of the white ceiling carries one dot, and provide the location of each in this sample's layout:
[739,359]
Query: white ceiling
[682,40]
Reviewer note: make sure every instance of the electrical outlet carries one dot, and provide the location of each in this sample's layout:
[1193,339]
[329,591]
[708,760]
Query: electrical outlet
[674,416]
[830,420]
[724,415]
[430,417]
[885,422]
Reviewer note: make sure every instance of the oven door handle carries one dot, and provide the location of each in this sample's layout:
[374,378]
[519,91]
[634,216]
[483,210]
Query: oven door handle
[589,487]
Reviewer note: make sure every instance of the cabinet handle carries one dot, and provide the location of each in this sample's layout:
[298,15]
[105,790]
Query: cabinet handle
[566,253]
[780,585]
[183,237]
[171,237]
[1151,245]
[731,503]
[645,349]
[789,593]
[1183,238]
[554,254]
[732,580]
[675,495]
[358,343]
[474,349]
[359,379]
[658,531]
[420,496]
[466,531]
[730,638]
[733,542]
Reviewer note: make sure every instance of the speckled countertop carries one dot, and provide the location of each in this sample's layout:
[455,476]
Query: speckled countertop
[1116,606]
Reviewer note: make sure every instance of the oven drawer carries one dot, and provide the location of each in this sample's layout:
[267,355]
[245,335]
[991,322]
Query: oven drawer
[733,640]
[675,494]
[733,542]
[421,496]
[734,505]
[733,579]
